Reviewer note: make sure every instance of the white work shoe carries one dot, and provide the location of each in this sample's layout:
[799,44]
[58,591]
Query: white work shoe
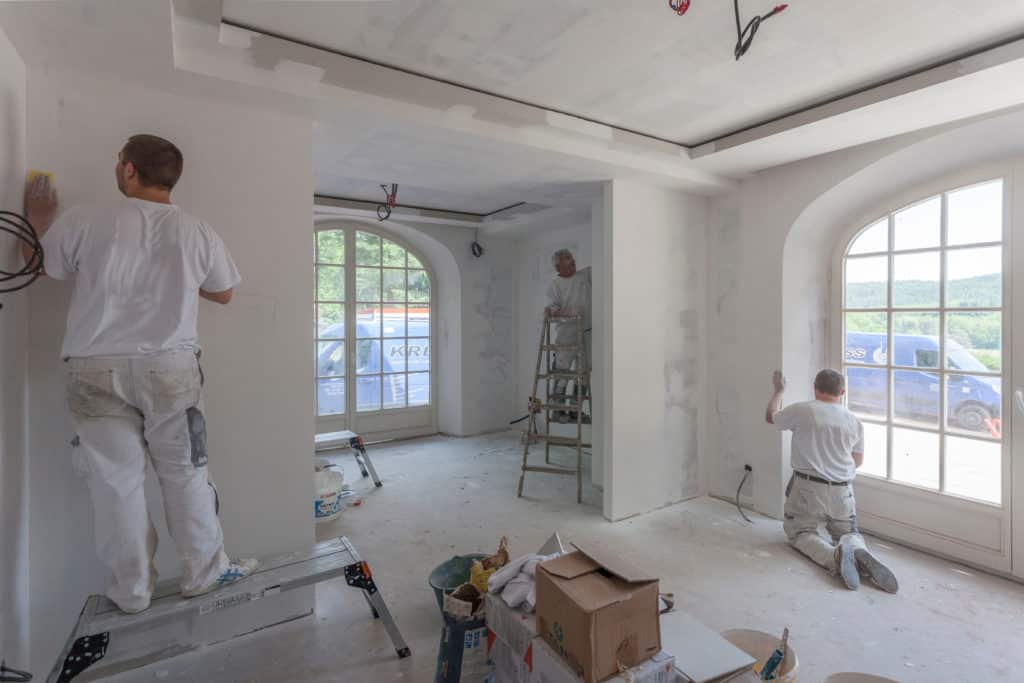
[235,572]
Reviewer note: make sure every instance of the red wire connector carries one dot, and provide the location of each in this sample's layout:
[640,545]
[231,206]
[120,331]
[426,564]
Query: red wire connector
[679,6]
[779,8]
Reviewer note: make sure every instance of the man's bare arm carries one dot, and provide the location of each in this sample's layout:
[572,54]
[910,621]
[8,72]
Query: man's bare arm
[217,297]
[775,404]
[858,459]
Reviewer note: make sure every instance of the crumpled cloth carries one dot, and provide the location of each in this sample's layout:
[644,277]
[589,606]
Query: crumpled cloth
[516,582]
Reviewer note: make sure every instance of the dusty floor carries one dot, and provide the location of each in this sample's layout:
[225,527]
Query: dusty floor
[446,496]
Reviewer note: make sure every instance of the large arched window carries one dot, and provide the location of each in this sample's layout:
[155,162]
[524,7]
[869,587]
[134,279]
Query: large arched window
[373,326]
[922,341]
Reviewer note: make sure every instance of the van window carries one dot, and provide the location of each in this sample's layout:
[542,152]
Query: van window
[926,358]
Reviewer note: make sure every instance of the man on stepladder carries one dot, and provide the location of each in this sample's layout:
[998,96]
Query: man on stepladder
[130,355]
[827,449]
[569,294]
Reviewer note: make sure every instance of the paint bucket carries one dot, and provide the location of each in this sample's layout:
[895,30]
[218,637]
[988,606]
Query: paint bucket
[327,502]
[451,574]
[851,677]
[760,646]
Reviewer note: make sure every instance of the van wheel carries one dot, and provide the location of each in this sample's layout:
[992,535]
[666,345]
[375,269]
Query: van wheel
[973,417]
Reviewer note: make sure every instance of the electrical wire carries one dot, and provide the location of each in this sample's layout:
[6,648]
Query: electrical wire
[13,675]
[742,482]
[476,247]
[745,36]
[679,6]
[390,201]
[22,230]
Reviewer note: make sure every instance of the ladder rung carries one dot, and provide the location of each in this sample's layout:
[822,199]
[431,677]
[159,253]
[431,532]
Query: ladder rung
[558,374]
[561,347]
[559,406]
[564,318]
[562,440]
[549,470]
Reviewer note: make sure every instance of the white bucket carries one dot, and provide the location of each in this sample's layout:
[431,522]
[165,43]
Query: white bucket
[760,646]
[327,503]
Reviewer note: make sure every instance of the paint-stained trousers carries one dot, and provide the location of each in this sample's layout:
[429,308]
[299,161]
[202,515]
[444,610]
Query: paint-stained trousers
[124,409]
[810,504]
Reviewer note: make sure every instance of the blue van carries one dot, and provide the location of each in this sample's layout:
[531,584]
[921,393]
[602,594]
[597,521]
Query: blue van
[971,401]
[370,362]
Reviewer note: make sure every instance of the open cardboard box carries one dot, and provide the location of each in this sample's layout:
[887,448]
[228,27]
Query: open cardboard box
[599,611]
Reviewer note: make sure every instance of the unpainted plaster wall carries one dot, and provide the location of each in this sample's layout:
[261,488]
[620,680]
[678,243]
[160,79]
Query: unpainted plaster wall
[655,399]
[248,172]
[14,519]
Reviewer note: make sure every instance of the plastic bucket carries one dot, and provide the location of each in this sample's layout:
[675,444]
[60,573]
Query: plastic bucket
[760,646]
[851,677]
[451,574]
[327,503]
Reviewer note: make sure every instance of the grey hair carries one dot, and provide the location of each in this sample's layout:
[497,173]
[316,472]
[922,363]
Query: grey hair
[557,256]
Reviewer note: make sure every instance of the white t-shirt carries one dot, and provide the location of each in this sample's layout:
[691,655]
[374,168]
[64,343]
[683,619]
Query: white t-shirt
[572,294]
[138,267]
[825,436]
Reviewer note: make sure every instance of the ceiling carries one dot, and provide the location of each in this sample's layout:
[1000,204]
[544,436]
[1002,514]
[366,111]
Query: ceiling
[637,65]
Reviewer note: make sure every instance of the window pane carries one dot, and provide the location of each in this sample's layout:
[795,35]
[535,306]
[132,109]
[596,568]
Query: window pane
[330,359]
[368,393]
[394,320]
[867,391]
[975,404]
[394,355]
[867,339]
[330,396]
[873,239]
[918,226]
[916,397]
[394,285]
[975,214]
[419,286]
[367,249]
[874,450]
[330,246]
[417,354]
[368,320]
[974,341]
[915,457]
[330,283]
[974,468]
[419,389]
[394,391]
[394,255]
[419,320]
[330,321]
[915,340]
[367,284]
[916,280]
[367,356]
[414,262]
[867,282]
[974,278]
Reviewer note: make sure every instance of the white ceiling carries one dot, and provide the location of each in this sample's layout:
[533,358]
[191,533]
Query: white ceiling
[639,66]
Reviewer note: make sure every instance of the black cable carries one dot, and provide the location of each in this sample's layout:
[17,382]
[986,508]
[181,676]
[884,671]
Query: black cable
[476,247]
[23,231]
[743,481]
[745,36]
[13,675]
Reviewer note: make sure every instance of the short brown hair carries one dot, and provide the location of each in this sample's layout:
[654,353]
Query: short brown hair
[830,382]
[157,161]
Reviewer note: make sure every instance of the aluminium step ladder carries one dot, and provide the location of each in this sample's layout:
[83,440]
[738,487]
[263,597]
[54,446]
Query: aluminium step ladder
[106,641]
[335,441]
[556,399]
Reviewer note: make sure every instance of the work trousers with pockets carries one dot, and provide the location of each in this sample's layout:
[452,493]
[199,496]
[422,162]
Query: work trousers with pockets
[565,335]
[810,504]
[123,410]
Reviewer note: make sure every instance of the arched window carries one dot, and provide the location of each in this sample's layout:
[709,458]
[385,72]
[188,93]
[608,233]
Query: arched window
[922,341]
[373,326]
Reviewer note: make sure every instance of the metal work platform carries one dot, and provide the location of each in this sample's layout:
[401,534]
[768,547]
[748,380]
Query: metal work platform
[333,441]
[107,641]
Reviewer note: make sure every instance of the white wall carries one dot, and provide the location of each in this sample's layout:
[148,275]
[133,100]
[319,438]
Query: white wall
[771,247]
[14,573]
[248,172]
[655,396]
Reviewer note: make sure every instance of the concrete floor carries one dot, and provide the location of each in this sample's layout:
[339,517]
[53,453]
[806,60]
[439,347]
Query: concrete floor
[446,496]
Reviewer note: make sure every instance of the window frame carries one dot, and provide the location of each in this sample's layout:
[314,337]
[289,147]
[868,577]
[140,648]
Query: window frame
[837,322]
[347,420]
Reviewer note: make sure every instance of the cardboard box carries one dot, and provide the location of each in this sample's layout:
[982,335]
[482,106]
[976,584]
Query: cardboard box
[598,611]
[548,667]
[515,628]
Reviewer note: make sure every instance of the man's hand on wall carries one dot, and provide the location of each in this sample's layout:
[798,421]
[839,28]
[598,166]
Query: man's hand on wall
[779,381]
[40,203]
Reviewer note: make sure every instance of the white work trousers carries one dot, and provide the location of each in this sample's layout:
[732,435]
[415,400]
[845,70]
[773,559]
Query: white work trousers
[565,334]
[123,409]
[810,504]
